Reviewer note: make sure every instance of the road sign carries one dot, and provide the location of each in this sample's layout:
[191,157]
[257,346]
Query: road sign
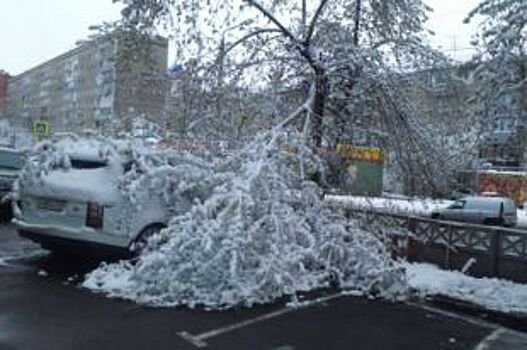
[41,128]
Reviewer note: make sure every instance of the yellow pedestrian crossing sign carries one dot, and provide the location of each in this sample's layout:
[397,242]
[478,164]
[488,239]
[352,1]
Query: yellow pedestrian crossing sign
[41,128]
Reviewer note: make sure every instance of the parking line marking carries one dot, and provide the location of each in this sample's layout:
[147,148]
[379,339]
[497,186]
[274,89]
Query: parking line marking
[486,342]
[469,319]
[199,340]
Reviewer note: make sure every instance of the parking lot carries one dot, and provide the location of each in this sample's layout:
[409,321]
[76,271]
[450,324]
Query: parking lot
[42,307]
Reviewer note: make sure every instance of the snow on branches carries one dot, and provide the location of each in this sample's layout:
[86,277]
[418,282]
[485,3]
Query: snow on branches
[260,231]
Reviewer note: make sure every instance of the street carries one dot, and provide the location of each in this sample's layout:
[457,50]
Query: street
[42,307]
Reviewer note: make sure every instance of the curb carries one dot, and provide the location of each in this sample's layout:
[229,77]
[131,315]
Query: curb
[514,321]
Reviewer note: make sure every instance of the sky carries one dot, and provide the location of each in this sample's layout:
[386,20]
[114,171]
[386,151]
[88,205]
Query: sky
[33,31]
[451,34]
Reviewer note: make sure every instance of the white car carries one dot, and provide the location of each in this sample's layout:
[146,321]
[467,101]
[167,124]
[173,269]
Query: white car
[487,210]
[82,206]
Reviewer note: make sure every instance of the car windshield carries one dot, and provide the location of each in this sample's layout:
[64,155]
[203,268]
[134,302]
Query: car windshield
[87,164]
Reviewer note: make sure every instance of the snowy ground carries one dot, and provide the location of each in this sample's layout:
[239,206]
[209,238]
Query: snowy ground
[16,249]
[411,206]
[490,293]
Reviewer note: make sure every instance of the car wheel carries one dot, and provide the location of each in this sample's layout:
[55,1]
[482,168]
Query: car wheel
[139,243]
[492,222]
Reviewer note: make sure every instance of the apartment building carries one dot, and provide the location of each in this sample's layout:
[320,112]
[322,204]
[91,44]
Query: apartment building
[4,76]
[100,85]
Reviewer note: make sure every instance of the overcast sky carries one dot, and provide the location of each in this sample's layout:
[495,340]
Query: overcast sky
[32,31]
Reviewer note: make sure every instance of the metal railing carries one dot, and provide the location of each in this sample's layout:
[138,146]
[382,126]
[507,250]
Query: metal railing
[497,251]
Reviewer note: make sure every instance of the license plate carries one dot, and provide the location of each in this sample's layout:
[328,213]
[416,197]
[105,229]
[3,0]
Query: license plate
[49,204]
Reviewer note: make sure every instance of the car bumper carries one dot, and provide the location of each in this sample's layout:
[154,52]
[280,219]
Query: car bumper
[46,233]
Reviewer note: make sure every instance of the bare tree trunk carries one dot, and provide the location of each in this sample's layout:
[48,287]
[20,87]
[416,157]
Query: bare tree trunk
[356,29]
[319,105]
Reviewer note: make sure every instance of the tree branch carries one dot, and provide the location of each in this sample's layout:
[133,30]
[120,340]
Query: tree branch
[248,36]
[301,48]
[273,19]
[314,20]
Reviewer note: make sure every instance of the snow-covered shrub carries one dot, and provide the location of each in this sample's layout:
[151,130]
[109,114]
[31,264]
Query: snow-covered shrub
[180,179]
[257,230]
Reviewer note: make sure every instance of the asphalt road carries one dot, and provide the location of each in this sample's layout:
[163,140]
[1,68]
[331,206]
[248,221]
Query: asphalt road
[42,307]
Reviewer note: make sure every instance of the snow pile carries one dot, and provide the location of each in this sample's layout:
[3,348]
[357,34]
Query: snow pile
[255,231]
[491,293]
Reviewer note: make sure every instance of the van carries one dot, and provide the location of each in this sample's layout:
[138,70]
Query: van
[484,210]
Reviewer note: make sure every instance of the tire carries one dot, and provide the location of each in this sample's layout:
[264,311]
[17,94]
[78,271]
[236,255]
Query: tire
[139,243]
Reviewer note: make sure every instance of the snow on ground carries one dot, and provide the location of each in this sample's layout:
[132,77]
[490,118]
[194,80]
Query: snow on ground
[489,293]
[414,206]
[10,251]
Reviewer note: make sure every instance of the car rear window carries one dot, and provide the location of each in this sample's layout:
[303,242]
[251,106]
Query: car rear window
[87,164]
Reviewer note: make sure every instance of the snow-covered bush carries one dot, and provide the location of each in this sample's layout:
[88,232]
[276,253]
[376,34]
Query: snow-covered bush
[256,230]
[180,179]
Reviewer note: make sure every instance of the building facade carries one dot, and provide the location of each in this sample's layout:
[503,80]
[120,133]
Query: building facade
[4,77]
[456,97]
[98,86]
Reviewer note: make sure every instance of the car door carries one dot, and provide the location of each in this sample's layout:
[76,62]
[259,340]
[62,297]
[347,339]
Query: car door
[454,212]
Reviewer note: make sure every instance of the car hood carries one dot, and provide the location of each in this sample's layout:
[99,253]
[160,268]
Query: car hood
[83,185]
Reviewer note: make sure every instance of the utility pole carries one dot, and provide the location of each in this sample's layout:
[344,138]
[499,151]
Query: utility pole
[454,47]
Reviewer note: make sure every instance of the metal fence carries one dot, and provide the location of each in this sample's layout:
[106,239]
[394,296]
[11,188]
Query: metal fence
[493,251]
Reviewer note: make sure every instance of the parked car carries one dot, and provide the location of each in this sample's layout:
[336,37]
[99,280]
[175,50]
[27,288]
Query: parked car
[487,210]
[82,206]
[11,161]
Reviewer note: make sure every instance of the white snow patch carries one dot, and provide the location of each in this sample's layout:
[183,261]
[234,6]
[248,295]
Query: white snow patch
[411,206]
[117,279]
[490,293]
[407,205]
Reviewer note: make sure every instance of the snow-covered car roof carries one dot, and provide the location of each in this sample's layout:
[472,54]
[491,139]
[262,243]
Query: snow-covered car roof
[55,171]
[89,149]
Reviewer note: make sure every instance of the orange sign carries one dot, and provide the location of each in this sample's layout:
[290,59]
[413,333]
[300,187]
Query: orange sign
[510,185]
[369,154]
